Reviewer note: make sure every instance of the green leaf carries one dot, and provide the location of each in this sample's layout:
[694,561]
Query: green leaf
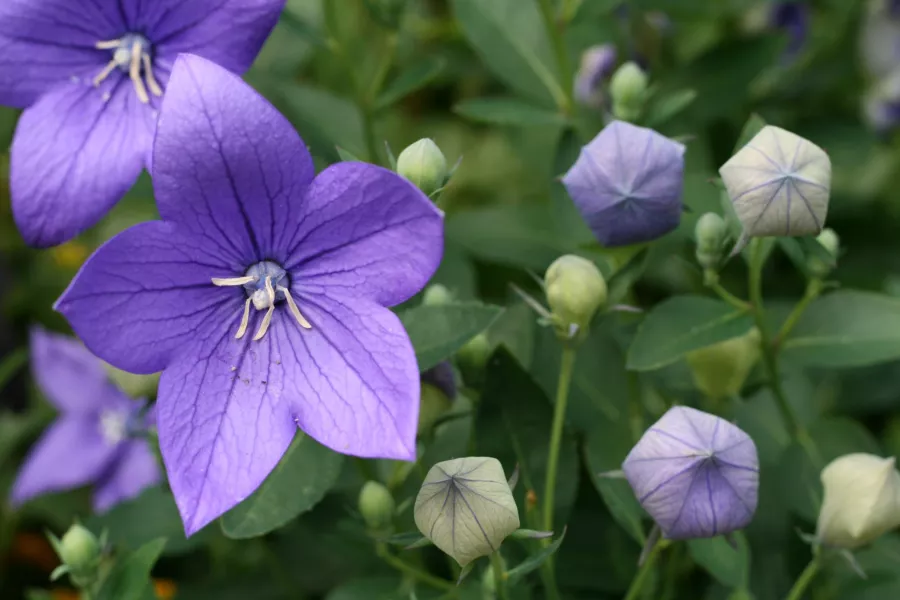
[510,37]
[535,561]
[753,126]
[130,576]
[847,329]
[439,331]
[507,111]
[326,120]
[668,107]
[681,324]
[306,472]
[412,79]
[730,566]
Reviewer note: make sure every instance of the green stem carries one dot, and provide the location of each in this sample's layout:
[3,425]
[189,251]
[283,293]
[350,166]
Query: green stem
[411,571]
[499,575]
[770,360]
[813,289]
[805,579]
[637,584]
[555,34]
[566,368]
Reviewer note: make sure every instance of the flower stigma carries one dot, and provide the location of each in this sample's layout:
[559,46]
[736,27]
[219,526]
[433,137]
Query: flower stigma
[132,54]
[113,426]
[266,284]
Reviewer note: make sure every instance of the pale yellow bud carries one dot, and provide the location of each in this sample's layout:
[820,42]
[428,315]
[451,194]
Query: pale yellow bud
[720,370]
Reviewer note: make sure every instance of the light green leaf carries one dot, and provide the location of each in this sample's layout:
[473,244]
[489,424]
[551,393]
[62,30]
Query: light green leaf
[326,120]
[847,329]
[509,36]
[439,331]
[130,576]
[412,79]
[669,106]
[753,126]
[306,472]
[681,324]
[532,563]
[730,566]
[507,111]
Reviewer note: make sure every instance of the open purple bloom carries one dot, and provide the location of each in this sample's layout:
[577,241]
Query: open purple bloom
[91,74]
[627,184]
[792,17]
[696,474]
[92,441]
[597,64]
[261,295]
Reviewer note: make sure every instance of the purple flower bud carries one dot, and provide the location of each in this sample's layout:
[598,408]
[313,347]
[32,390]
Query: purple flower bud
[696,474]
[442,377]
[627,184]
[792,17]
[597,64]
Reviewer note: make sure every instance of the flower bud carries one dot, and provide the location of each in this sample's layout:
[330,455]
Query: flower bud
[575,290]
[720,370]
[466,508]
[597,63]
[881,104]
[376,505]
[433,403]
[424,165]
[697,475]
[779,184]
[436,295]
[830,241]
[862,500]
[628,88]
[80,552]
[711,232]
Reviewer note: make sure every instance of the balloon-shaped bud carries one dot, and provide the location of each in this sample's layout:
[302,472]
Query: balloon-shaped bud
[628,89]
[466,508]
[597,63]
[720,370]
[473,357]
[627,184]
[575,290]
[376,505]
[424,165]
[80,552]
[711,233]
[779,184]
[697,475]
[831,243]
[436,295]
[862,500]
[438,393]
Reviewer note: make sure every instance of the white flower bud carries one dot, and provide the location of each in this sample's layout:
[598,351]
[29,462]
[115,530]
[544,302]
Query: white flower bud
[862,500]
[466,508]
[80,552]
[628,88]
[710,232]
[424,165]
[436,295]
[575,290]
[779,184]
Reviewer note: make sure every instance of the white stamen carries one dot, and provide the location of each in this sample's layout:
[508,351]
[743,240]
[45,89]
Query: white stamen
[105,72]
[234,281]
[245,320]
[108,45]
[151,80]
[294,310]
[135,74]
[267,319]
[113,426]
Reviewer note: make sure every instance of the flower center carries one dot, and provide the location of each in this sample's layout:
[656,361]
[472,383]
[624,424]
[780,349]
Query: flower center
[133,54]
[113,426]
[266,284]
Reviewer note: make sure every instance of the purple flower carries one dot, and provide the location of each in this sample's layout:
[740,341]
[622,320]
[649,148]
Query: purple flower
[91,442]
[442,377]
[792,17]
[627,184]
[261,295]
[696,474]
[597,64]
[91,74]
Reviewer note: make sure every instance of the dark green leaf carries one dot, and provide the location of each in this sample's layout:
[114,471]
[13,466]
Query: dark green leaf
[411,80]
[439,331]
[668,107]
[535,561]
[730,566]
[300,480]
[507,111]
[753,126]
[130,575]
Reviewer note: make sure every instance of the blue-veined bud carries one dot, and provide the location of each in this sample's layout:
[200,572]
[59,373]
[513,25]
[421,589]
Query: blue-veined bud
[687,446]
[575,289]
[376,505]
[779,184]
[720,370]
[597,63]
[711,233]
[466,508]
[830,241]
[862,500]
[80,552]
[424,165]
[436,295]
[628,89]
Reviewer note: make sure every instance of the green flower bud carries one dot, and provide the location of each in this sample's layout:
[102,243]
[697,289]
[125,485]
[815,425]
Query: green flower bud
[80,552]
[476,352]
[488,584]
[436,295]
[575,291]
[830,241]
[432,405]
[720,370]
[376,505]
[424,165]
[628,88]
[711,232]
[466,508]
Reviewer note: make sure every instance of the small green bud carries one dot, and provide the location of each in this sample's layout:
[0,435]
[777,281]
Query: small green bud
[628,88]
[436,295]
[376,505]
[720,370]
[575,291]
[830,241]
[80,552]
[424,165]
[432,405]
[711,232]
[488,584]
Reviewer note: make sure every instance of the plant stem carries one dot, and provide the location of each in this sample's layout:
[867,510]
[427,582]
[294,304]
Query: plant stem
[813,289]
[770,360]
[559,418]
[411,571]
[634,591]
[499,575]
[555,34]
[804,580]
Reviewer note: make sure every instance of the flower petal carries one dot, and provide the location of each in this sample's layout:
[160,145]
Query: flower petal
[144,294]
[227,166]
[227,32]
[367,232]
[76,152]
[43,44]
[352,379]
[70,454]
[134,471]
[223,425]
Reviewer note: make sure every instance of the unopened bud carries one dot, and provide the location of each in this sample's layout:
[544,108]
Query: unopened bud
[424,165]
[720,370]
[862,500]
[831,243]
[628,88]
[711,232]
[436,295]
[80,552]
[432,405]
[376,505]
[597,63]
[575,291]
